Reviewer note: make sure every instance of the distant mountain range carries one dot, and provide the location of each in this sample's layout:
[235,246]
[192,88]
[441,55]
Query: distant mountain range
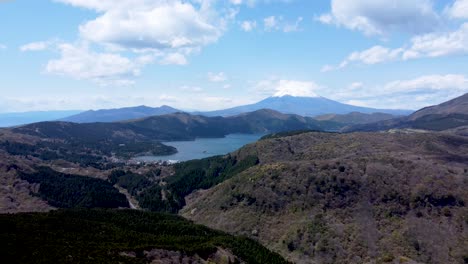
[303,106]
[177,126]
[448,115]
[114,115]
[16,119]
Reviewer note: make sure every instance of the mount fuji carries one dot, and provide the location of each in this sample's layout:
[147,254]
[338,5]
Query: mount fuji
[303,106]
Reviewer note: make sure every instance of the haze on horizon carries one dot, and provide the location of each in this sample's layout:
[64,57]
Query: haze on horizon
[208,55]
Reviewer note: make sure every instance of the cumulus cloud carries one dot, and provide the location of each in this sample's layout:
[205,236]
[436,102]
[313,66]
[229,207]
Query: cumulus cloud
[217,77]
[153,25]
[439,44]
[459,9]
[248,26]
[79,62]
[424,46]
[380,17]
[161,31]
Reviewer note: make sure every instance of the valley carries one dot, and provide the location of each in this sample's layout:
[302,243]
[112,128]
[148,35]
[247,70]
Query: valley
[309,195]
[234,132]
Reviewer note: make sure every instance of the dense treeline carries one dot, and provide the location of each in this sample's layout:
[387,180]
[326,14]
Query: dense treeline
[286,134]
[132,182]
[53,151]
[190,176]
[99,236]
[69,191]
[85,153]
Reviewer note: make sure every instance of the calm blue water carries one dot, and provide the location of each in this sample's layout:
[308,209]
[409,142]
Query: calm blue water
[204,147]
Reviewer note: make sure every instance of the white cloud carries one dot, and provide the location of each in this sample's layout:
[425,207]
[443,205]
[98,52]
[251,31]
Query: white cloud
[248,26]
[174,59]
[356,85]
[278,88]
[459,9]
[296,88]
[270,23]
[36,46]
[325,19]
[328,68]
[380,17]
[406,94]
[429,83]
[162,31]
[424,46]
[80,63]
[181,101]
[144,24]
[2,47]
[252,3]
[293,26]
[278,23]
[217,77]
[98,5]
[439,44]
[192,89]
[236,2]
[374,55]
[168,98]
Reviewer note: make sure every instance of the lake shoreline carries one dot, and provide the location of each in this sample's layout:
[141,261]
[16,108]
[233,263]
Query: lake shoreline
[202,148]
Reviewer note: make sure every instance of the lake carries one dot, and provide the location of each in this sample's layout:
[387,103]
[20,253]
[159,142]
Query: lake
[204,147]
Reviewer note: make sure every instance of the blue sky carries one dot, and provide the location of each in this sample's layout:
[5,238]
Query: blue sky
[208,54]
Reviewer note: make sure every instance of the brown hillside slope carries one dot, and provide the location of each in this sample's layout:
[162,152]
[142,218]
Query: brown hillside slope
[348,198]
[458,105]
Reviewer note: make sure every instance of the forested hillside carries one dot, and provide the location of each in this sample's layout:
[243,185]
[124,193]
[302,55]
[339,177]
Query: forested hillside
[347,198]
[121,236]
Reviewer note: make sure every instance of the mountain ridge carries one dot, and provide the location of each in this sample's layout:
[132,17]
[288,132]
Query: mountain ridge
[447,115]
[303,106]
[119,114]
[177,126]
